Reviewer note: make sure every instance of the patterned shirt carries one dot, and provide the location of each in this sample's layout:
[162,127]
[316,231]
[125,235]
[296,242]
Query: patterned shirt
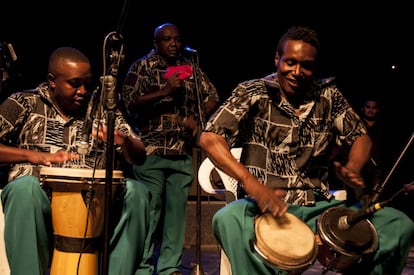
[160,123]
[280,148]
[30,120]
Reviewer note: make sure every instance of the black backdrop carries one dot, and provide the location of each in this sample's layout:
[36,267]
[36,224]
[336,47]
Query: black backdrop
[235,42]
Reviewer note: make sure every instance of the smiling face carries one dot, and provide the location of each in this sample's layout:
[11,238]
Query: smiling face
[295,67]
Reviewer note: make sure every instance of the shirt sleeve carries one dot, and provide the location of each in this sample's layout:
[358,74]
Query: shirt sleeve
[225,121]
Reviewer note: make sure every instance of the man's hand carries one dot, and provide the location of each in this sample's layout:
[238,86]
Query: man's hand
[348,176]
[43,158]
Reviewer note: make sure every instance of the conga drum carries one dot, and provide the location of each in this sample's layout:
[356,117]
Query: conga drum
[77,205]
[285,243]
[340,249]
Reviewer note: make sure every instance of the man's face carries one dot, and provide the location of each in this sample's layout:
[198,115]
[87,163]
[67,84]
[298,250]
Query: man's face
[370,110]
[71,85]
[295,67]
[168,42]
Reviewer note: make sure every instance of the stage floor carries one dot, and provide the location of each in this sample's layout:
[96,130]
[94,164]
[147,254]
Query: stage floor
[210,263]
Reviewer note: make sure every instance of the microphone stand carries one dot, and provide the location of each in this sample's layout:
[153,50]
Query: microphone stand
[379,188]
[197,269]
[110,105]
[114,52]
[347,221]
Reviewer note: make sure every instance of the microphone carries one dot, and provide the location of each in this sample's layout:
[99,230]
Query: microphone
[83,144]
[190,51]
[346,222]
[108,92]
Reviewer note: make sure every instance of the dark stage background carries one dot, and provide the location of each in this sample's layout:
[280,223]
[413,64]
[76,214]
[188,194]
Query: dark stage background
[235,41]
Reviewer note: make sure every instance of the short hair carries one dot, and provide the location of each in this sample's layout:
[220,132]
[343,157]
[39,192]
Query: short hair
[371,97]
[161,27]
[303,33]
[65,53]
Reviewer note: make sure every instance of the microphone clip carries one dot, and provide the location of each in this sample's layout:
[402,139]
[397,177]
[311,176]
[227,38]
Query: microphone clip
[347,221]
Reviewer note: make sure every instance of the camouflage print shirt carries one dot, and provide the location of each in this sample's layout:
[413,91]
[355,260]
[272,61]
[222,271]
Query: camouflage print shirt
[30,120]
[280,148]
[160,123]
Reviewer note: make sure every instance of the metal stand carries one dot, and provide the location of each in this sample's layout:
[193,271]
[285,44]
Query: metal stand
[109,100]
[378,189]
[196,267]
[113,55]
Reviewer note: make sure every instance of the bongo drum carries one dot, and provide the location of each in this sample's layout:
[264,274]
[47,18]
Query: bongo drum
[340,249]
[77,205]
[285,243]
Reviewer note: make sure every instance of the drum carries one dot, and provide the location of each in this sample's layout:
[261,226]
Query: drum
[285,243]
[77,205]
[339,249]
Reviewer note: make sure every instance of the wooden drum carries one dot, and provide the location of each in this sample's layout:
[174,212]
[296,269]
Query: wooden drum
[78,204]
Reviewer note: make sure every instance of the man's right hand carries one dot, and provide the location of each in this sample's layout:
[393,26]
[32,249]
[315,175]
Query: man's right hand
[268,199]
[173,83]
[47,159]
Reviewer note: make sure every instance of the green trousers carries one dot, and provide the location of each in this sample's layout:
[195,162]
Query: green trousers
[168,179]
[28,228]
[233,226]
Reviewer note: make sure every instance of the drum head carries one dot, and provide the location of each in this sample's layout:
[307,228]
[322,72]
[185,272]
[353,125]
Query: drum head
[360,239]
[78,172]
[286,242]
[78,179]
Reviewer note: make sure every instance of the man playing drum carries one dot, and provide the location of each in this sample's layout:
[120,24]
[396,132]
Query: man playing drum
[287,124]
[42,128]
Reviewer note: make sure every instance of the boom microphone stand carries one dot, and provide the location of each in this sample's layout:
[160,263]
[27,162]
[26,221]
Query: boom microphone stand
[380,187]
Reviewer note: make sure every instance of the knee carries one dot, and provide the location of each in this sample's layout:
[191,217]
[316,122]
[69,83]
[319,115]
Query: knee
[397,221]
[24,193]
[26,187]
[217,222]
[137,193]
[407,225]
[221,219]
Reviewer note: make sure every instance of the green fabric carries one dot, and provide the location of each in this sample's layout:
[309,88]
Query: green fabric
[28,228]
[168,178]
[233,227]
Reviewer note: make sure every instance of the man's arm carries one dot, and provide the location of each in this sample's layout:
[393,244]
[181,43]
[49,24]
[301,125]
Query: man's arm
[359,154]
[218,152]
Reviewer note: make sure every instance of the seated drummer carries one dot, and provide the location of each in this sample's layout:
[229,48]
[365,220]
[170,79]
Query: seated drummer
[42,127]
[287,123]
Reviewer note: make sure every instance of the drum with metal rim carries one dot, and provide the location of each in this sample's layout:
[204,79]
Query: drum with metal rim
[77,205]
[340,249]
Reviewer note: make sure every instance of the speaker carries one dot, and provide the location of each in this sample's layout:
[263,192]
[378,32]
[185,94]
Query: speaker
[208,209]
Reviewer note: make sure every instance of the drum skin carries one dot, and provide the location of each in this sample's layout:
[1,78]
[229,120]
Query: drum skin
[77,203]
[285,243]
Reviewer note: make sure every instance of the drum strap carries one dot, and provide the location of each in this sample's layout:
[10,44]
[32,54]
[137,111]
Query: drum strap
[84,245]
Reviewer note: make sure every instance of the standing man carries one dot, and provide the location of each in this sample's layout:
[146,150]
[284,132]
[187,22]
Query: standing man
[287,124]
[164,92]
